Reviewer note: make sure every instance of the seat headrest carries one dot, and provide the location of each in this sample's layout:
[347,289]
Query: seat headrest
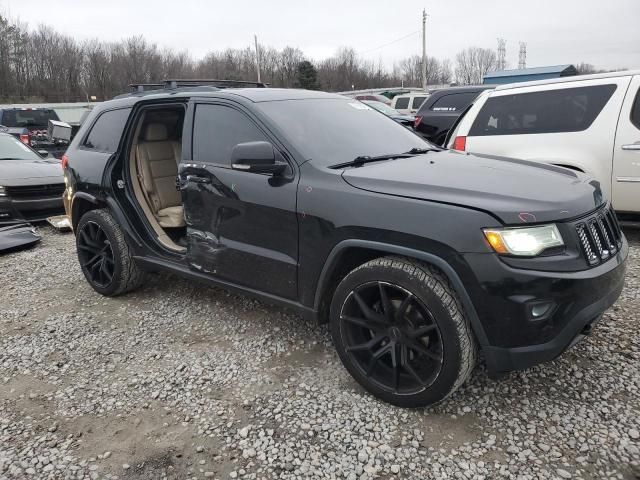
[156,132]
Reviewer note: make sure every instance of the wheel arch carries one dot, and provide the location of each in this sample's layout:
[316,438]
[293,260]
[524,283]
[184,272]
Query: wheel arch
[349,254]
[84,202]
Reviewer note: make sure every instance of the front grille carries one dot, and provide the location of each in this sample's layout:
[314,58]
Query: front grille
[36,191]
[600,236]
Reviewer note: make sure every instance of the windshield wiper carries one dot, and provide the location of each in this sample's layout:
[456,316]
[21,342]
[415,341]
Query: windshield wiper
[420,151]
[360,161]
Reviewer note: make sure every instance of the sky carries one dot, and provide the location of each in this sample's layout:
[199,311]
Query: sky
[605,33]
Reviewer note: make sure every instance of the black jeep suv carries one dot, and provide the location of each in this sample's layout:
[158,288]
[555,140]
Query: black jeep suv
[418,257]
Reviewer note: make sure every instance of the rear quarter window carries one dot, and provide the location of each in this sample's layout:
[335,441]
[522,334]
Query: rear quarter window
[635,111]
[455,102]
[417,102]
[550,111]
[402,102]
[105,133]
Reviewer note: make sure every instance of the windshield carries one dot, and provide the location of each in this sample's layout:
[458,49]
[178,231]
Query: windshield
[13,149]
[333,131]
[28,118]
[381,107]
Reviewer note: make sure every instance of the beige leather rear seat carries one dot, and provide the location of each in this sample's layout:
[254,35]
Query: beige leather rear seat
[157,160]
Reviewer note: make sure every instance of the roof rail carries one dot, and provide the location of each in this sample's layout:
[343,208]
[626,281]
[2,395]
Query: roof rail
[177,83]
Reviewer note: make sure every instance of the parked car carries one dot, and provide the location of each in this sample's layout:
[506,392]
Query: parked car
[408,103]
[441,110]
[587,123]
[30,126]
[406,120]
[31,187]
[417,256]
[374,97]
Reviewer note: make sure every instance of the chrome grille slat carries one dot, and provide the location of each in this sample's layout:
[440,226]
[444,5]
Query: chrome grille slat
[616,226]
[607,235]
[585,241]
[595,237]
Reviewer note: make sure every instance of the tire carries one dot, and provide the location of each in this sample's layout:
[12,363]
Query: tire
[98,237]
[415,319]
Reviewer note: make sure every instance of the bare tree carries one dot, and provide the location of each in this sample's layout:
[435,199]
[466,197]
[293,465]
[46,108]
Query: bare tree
[473,63]
[45,65]
[586,68]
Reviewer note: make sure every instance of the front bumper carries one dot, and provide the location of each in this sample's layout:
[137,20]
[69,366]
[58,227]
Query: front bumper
[504,296]
[14,211]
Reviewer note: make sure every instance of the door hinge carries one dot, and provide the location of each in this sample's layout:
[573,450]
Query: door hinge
[120,183]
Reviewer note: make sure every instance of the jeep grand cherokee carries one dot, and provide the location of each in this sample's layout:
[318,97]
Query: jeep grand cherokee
[417,256]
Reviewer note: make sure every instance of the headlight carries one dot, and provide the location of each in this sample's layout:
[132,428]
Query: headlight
[3,192]
[523,241]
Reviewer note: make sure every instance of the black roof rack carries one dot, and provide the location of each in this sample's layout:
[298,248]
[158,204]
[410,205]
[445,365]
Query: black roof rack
[178,83]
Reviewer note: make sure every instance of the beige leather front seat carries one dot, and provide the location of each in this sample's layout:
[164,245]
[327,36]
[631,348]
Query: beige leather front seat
[157,160]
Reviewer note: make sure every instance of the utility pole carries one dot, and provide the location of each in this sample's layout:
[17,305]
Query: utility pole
[424,50]
[255,37]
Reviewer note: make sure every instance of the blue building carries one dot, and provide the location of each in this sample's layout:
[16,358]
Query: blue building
[529,74]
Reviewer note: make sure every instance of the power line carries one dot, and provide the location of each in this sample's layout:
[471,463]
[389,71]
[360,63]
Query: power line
[391,43]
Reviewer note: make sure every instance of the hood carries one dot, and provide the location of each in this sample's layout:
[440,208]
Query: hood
[515,191]
[30,172]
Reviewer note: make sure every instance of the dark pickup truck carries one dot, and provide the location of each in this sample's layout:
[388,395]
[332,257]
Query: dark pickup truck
[30,125]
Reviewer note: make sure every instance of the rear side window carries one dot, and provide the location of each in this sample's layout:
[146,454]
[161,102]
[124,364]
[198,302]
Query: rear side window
[417,102]
[105,134]
[635,111]
[455,102]
[217,129]
[550,111]
[402,102]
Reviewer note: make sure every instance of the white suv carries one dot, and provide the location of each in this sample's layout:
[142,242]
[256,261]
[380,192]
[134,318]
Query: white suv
[589,123]
[409,103]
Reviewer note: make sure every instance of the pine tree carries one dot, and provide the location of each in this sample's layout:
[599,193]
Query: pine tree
[307,75]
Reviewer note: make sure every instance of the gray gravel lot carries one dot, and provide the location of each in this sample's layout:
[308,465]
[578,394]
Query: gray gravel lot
[178,380]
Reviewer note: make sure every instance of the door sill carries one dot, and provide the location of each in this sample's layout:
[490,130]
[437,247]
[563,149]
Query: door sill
[180,268]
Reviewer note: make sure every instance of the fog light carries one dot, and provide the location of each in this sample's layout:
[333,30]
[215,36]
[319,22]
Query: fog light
[539,310]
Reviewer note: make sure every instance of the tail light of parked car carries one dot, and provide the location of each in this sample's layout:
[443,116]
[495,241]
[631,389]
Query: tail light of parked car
[460,143]
[25,138]
[65,161]
[417,121]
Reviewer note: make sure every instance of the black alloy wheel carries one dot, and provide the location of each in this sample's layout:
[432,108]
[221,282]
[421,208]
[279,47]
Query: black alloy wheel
[96,254]
[105,257]
[392,337]
[401,332]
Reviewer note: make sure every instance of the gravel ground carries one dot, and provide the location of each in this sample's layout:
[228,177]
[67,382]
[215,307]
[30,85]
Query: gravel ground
[177,380]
